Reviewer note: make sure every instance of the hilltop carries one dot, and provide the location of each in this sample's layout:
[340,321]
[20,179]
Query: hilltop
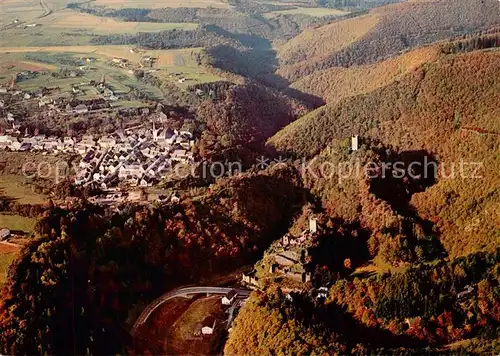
[382,33]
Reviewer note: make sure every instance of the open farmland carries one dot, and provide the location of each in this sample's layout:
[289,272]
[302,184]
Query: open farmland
[22,10]
[26,11]
[17,223]
[67,27]
[161,3]
[169,66]
[66,20]
[181,63]
[12,187]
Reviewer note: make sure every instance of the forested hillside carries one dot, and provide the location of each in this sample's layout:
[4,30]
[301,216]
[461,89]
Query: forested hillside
[383,33]
[424,308]
[346,161]
[448,109]
[73,286]
[247,115]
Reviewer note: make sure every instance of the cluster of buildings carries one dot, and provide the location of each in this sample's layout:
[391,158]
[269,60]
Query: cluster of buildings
[141,158]
[230,304]
[291,256]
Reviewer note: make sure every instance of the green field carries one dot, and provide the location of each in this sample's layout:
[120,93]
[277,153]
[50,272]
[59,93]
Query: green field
[119,79]
[182,63]
[170,66]
[17,223]
[12,187]
[68,27]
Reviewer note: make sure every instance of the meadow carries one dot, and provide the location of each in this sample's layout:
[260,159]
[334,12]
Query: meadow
[170,66]
[12,187]
[17,223]
[67,27]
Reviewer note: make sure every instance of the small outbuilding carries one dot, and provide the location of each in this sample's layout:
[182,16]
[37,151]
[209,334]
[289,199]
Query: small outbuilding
[229,298]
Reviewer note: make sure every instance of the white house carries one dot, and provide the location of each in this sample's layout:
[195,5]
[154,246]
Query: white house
[4,233]
[132,170]
[208,325]
[68,141]
[229,298]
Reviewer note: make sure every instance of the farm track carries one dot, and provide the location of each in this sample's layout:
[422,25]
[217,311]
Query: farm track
[46,10]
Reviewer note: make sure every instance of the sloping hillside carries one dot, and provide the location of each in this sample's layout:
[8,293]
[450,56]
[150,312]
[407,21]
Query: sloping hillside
[397,27]
[448,109]
[335,84]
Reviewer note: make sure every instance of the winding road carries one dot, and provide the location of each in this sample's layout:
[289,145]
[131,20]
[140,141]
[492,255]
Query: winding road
[184,293]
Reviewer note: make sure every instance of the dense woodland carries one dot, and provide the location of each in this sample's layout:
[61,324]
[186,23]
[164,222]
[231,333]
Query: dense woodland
[400,313]
[87,267]
[391,29]
[246,116]
[434,109]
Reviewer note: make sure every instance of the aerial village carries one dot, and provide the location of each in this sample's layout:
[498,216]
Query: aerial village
[137,157]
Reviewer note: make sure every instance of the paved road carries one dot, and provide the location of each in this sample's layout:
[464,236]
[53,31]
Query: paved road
[184,292]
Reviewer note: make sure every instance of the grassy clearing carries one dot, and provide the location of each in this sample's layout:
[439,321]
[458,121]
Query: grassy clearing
[316,12]
[69,20]
[12,187]
[67,27]
[183,63]
[162,3]
[17,223]
[23,10]
[182,332]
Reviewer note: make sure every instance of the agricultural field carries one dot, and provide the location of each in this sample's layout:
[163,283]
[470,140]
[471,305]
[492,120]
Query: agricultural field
[67,27]
[22,10]
[170,66]
[66,20]
[29,11]
[316,12]
[17,223]
[162,3]
[12,188]
[182,63]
